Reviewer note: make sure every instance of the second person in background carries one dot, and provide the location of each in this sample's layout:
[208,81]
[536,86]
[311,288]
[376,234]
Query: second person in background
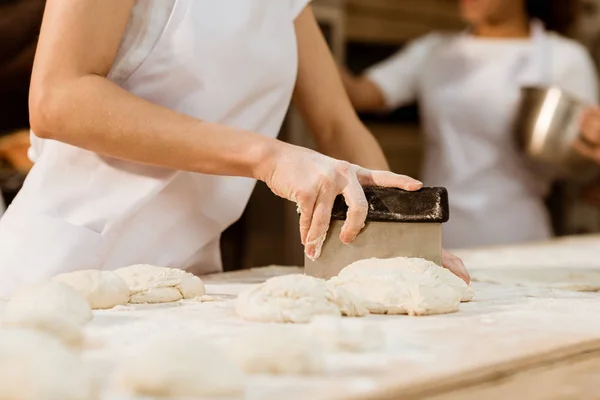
[468,89]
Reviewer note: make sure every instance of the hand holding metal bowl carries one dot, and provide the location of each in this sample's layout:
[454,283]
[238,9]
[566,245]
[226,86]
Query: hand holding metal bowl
[556,129]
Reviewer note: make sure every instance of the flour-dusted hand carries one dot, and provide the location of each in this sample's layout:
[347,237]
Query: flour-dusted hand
[455,265]
[313,181]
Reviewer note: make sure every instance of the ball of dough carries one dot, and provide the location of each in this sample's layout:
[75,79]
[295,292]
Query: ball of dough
[342,334]
[150,284]
[58,326]
[49,298]
[295,298]
[34,366]
[102,289]
[402,285]
[277,349]
[178,366]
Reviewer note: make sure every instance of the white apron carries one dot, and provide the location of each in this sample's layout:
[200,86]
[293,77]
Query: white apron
[228,61]
[496,196]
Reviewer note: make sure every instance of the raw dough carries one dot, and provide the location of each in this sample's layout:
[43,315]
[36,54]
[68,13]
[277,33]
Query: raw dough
[34,366]
[296,298]
[102,289]
[60,327]
[565,278]
[342,334]
[277,350]
[48,299]
[150,284]
[178,366]
[403,285]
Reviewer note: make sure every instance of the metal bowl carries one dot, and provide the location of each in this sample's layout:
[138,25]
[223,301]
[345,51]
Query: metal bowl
[547,126]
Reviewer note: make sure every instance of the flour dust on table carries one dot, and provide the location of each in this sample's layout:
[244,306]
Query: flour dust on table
[277,349]
[102,289]
[152,284]
[35,366]
[296,298]
[402,285]
[178,366]
[347,334]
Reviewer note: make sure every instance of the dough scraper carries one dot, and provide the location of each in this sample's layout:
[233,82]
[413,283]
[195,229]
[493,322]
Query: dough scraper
[399,224]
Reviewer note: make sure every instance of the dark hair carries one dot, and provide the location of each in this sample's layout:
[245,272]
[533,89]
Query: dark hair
[557,15]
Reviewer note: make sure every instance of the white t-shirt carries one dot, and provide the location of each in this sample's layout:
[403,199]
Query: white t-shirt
[468,89]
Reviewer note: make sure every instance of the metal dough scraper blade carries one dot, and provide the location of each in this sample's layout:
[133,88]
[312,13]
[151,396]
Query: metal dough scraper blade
[399,224]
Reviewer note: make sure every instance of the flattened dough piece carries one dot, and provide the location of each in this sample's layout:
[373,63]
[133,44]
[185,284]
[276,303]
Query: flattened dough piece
[34,366]
[102,289]
[279,349]
[296,298]
[48,299]
[151,284]
[178,366]
[402,285]
[343,334]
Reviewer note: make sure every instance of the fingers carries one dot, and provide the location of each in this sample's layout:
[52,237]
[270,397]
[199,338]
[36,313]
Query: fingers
[590,127]
[456,266]
[306,206]
[319,224]
[387,179]
[358,208]
[587,151]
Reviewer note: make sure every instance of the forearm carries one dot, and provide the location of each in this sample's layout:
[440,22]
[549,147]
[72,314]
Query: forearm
[93,113]
[351,141]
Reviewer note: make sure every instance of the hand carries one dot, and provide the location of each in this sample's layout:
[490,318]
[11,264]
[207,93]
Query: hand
[313,181]
[588,143]
[456,266]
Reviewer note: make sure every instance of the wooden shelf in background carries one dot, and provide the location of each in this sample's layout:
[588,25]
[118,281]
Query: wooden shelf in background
[397,21]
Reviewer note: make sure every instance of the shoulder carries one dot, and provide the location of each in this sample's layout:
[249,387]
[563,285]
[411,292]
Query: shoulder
[568,50]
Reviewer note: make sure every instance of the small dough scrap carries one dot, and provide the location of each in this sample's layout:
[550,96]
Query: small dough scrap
[402,285]
[279,349]
[102,289]
[53,324]
[35,366]
[178,366]
[468,294]
[48,299]
[296,298]
[351,335]
[151,284]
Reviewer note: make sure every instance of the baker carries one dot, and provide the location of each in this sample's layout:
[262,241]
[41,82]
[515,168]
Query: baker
[153,119]
[468,88]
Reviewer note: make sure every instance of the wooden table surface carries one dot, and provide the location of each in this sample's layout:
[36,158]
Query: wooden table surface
[511,342]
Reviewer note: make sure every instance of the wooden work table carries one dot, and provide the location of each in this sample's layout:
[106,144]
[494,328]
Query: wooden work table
[509,343]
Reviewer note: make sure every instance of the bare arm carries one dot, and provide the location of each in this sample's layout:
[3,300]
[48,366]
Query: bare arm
[324,104]
[72,101]
[364,94]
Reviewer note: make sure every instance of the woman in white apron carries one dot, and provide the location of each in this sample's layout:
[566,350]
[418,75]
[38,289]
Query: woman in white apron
[152,119]
[468,88]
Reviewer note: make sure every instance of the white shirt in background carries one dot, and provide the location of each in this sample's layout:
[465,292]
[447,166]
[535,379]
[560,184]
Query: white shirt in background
[468,89]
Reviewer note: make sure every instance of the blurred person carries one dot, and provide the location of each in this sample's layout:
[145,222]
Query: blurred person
[148,147]
[468,89]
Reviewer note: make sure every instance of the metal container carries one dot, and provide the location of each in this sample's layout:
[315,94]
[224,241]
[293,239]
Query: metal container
[547,126]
